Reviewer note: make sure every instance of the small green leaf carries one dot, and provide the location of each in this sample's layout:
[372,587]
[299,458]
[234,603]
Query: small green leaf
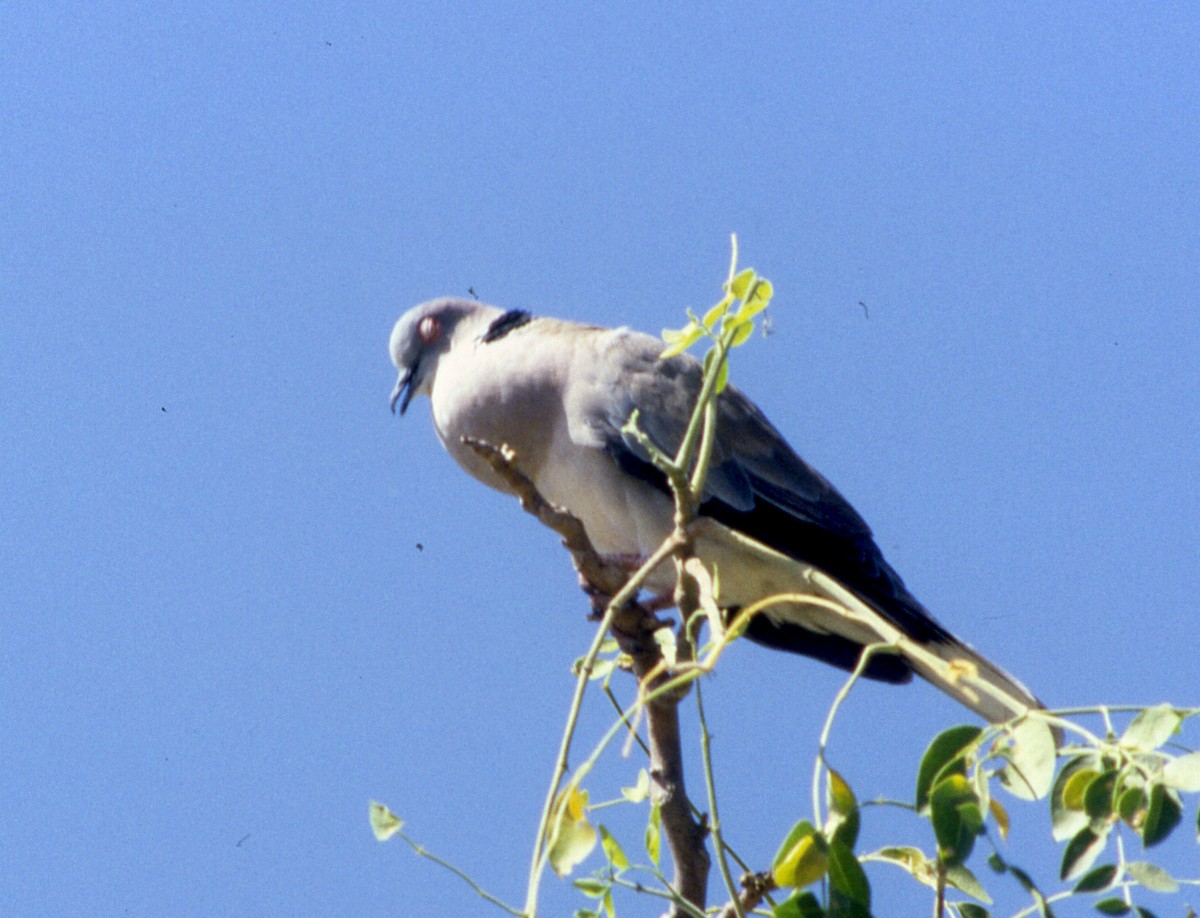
[572,837]
[971,910]
[964,881]
[1031,755]
[1098,795]
[679,341]
[654,834]
[592,887]
[1131,806]
[722,377]
[1183,773]
[847,878]
[1066,797]
[741,283]
[946,753]
[585,913]
[1113,906]
[612,850]
[1000,815]
[911,859]
[799,905]
[1151,728]
[1096,879]
[1163,814]
[743,329]
[384,823]
[640,790]
[1081,852]
[844,818]
[1153,877]
[957,818]
[802,858]
[715,314]
[758,300]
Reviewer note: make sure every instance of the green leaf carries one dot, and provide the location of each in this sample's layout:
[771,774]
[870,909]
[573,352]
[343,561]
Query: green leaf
[957,818]
[1183,773]
[654,834]
[1151,728]
[572,837]
[384,823]
[1031,756]
[911,859]
[1081,852]
[1113,906]
[640,790]
[585,913]
[1098,795]
[844,820]
[945,753]
[971,910]
[1153,877]
[612,851]
[742,331]
[714,315]
[741,283]
[1131,806]
[758,300]
[802,858]
[1163,814]
[1066,797]
[1096,879]
[1000,814]
[680,340]
[847,879]
[592,887]
[799,905]
[964,881]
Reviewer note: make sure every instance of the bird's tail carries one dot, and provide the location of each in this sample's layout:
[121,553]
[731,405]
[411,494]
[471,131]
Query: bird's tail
[945,662]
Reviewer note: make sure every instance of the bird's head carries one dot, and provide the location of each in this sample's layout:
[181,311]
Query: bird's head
[421,336]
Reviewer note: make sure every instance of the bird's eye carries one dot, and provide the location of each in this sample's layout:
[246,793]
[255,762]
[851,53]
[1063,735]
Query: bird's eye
[429,329]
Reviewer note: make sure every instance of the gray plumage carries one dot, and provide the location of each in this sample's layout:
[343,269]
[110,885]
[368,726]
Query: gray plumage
[558,394]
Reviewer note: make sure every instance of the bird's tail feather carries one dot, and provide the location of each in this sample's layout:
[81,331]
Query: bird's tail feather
[952,666]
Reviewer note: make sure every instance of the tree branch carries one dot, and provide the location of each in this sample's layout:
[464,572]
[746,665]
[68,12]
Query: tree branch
[633,627]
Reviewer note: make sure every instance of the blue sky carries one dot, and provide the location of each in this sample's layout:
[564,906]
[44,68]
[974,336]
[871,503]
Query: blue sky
[220,637]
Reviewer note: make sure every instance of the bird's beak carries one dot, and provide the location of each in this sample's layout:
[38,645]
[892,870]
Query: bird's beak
[403,392]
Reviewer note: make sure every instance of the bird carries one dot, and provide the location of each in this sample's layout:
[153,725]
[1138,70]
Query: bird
[558,394]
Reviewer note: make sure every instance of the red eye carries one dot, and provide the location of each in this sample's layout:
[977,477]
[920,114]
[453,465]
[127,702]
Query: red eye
[429,329]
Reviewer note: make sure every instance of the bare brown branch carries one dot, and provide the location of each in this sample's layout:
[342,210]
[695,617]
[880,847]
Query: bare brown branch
[633,627]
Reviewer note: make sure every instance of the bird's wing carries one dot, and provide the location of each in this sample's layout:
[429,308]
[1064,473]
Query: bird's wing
[756,484]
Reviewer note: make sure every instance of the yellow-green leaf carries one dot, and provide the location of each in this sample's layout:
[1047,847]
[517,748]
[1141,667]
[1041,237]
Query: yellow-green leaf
[802,858]
[843,823]
[1073,791]
[640,790]
[1000,814]
[956,816]
[945,755]
[654,834]
[572,838]
[384,823]
[741,283]
[1183,773]
[680,340]
[612,850]
[715,314]
[1152,727]
[1031,755]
